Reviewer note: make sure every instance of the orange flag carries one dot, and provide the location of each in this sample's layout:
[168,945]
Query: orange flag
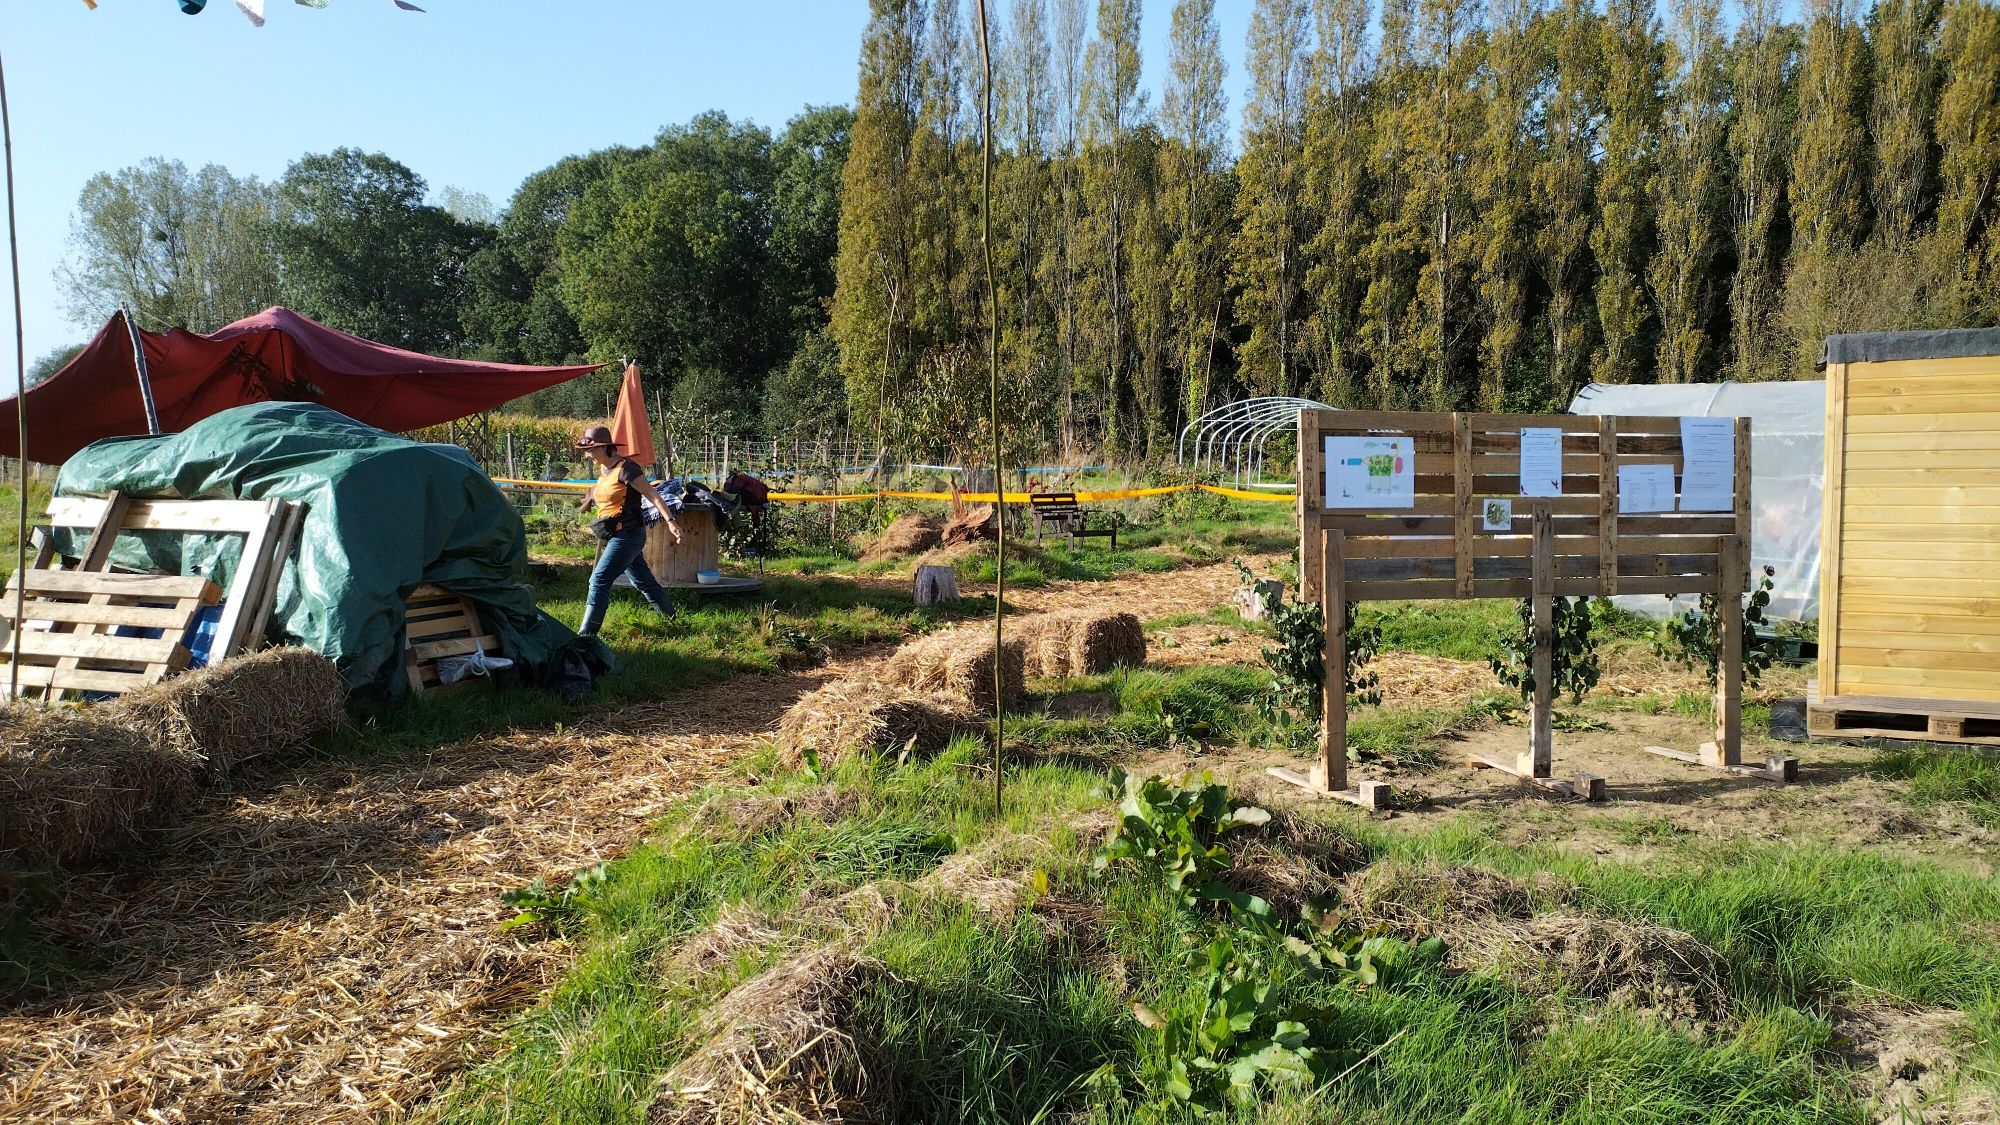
[630,427]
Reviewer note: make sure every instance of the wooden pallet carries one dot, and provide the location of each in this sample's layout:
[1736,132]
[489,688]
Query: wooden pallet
[1824,721]
[438,623]
[64,638]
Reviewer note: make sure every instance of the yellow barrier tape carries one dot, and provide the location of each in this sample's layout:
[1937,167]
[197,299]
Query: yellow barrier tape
[967,497]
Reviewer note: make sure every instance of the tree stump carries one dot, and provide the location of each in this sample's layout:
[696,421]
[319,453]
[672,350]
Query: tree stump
[936,585]
[1250,599]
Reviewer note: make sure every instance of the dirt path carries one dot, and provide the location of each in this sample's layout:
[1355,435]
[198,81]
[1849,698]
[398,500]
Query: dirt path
[322,945]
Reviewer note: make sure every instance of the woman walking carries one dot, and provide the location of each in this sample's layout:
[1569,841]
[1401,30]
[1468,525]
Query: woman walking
[620,527]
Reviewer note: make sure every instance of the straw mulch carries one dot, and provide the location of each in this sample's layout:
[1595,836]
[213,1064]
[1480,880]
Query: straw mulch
[851,716]
[230,712]
[738,929]
[957,664]
[1489,923]
[324,947]
[908,535]
[1081,642]
[784,1046]
[73,783]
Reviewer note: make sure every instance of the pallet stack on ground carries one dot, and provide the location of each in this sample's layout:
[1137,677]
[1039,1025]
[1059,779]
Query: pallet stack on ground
[84,627]
[1910,575]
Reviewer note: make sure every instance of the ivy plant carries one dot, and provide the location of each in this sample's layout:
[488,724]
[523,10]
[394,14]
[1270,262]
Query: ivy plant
[1692,637]
[1573,666]
[1298,659]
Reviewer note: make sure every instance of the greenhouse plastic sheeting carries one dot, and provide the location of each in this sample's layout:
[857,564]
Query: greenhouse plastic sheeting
[1787,472]
[384,515]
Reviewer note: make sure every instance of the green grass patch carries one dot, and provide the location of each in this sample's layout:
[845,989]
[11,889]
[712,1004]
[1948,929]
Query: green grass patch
[1965,777]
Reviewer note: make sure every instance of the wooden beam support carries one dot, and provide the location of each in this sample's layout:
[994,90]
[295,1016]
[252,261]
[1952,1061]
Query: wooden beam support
[1329,775]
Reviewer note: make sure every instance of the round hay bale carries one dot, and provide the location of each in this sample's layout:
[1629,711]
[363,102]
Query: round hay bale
[844,717]
[74,782]
[958,665]
[909,535]
[245,706]
[784,1046]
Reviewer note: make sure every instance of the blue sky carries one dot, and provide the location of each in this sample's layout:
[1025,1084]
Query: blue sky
[474,94]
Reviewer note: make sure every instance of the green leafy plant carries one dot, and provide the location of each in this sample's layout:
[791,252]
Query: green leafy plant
[1298,659]
[1176,830]
[541,905]
[1692,637]
[1573,663]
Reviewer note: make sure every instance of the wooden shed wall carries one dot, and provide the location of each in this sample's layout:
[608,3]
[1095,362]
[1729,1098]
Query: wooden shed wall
[1910,571]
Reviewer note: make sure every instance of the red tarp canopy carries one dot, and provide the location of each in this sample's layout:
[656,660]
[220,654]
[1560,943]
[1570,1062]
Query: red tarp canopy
[275,355]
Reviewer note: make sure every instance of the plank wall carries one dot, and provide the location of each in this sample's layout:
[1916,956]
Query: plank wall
[1910,576]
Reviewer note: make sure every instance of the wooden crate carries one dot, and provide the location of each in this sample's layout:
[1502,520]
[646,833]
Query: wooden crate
[438,623]
[1910,535]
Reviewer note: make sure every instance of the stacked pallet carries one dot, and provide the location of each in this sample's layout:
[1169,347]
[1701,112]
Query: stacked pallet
[77,625]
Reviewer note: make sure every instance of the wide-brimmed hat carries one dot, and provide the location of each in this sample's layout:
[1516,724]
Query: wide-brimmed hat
[596,435]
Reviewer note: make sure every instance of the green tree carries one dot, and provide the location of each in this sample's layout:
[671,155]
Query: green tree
[1442,126]
[1066,258]
[806,399]
[1903,41]
[360,250]
[1760,71]
[1267,264]
[1335,155]
[1115,106]
[1505,164]
[1828,186]
[1401,236]
[179,249]
[807,161]
[52,361]
[1193,195]
[1964,252]
[1634,62]
[664,259]
[1687,192]
[874,271]
[1565,188]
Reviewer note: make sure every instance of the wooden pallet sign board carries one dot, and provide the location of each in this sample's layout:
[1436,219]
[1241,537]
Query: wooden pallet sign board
[1409,505]
[438,623]
[1910,538]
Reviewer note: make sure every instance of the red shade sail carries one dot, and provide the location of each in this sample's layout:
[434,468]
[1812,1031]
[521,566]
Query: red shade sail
[275,355]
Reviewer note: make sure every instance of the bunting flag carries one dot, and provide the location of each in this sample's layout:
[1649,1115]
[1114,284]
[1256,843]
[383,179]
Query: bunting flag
[253,9]
[193,7]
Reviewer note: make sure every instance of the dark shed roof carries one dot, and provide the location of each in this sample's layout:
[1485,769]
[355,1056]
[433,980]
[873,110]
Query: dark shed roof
[1884,347]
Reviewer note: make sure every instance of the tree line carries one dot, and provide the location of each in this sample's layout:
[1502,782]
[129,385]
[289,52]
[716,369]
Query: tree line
[1437,204]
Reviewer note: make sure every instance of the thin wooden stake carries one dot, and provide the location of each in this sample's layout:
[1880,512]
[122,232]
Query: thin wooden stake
[993,389]
[1541,737]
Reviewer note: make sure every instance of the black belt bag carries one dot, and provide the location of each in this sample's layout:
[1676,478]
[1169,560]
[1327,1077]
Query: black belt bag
[607,527]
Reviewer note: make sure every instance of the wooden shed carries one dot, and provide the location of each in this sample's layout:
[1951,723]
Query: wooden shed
[1910,566]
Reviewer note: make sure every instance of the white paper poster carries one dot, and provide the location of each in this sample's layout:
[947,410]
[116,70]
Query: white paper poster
[1541,461]
[1496,515]
[1371,472]
[1645,488]
[1708,464]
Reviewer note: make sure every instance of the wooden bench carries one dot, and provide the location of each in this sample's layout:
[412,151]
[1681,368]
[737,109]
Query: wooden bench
[1060,510]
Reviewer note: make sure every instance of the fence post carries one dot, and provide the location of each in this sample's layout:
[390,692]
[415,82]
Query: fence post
[1542,579]
[1333,689]
[1727,749]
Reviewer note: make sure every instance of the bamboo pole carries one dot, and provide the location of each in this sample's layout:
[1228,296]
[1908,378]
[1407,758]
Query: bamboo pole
[993,389]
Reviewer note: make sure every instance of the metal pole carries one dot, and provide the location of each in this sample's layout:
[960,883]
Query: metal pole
[20,407]
[139,369]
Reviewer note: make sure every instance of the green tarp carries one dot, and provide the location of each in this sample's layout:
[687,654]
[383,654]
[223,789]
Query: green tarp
[384,515]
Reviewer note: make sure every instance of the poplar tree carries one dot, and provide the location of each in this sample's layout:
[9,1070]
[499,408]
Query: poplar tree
[1266,264]
[874,273]
[1400,239]
[1192,110]
[1504,166]
[1827,185]
[1565,187]
[1441,123]
[1335,151]
[1625,237]
[1066,258]
[1115,106]
[1904,103]
[948,295]
[1688,194]
[1025,112]
[1759,69]
[1965,245]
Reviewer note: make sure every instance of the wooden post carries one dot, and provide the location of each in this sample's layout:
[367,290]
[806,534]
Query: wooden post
[1727,749]
[1311,501]
[1542,578]
[1607,506]
[1331,776]
[1462,505]
[723,469]
[510,457]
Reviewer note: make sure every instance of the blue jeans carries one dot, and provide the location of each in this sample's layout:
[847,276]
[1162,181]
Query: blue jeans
[624,553]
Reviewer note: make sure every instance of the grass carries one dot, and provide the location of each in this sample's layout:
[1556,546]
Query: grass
[1963,777]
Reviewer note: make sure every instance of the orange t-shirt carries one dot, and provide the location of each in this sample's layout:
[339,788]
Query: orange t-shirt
[614,484]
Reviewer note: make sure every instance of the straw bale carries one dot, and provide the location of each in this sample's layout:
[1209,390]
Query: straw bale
[847,716]
[248,705]
[957,664]
[1081,642]
[784,1046]
[73,783]
[1629,964]
[909,535]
